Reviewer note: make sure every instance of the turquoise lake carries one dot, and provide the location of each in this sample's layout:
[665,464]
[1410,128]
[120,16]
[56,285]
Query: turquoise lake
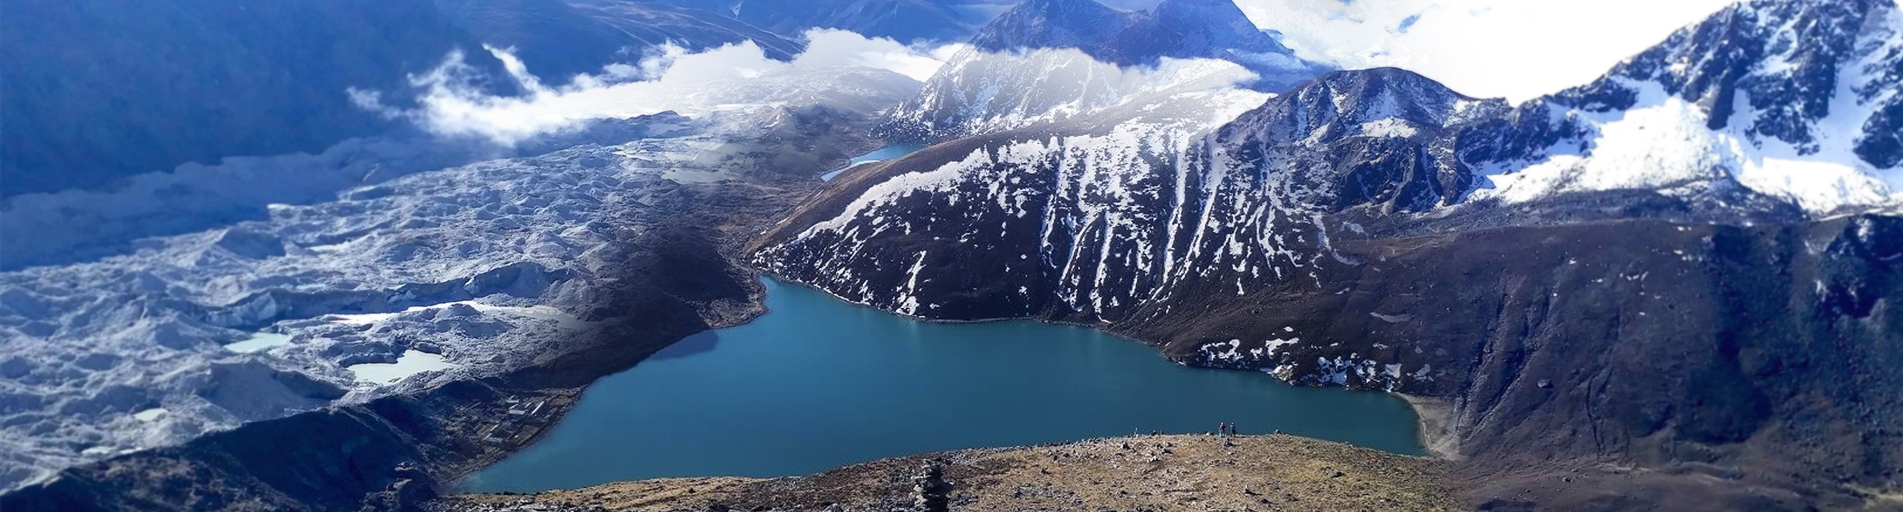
[818,383]
[891,152]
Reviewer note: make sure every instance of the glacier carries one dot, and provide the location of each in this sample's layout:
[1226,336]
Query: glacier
[149,315]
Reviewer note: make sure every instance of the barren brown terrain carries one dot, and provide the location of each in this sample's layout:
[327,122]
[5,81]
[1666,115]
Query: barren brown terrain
[1170,472]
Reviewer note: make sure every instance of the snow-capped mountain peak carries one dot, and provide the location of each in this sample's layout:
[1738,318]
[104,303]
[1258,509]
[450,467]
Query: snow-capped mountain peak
[1211,24]
[1182,29]
[1777,66]
[1050,60]
[1349,153]
[1051,24]
[1796,101]
[1384,101]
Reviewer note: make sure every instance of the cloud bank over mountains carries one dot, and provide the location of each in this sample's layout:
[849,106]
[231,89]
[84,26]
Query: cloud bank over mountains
[731,77]
[1483,48]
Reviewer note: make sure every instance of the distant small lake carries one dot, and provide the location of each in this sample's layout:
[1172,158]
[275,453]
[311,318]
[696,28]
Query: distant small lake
[818,383]
[892,152]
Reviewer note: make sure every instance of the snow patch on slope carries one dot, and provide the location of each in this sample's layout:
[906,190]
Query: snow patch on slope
[1825,81]
[1664,143]
[1108,215]
[986,92]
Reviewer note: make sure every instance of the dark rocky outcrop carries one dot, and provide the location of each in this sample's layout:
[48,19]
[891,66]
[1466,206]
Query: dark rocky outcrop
[1695,351]
[327,460]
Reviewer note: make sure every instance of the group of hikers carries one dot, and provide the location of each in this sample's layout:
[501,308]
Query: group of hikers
[1222,428]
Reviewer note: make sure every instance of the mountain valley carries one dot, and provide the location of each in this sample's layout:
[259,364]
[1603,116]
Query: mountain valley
[1665,308]
[1671,288]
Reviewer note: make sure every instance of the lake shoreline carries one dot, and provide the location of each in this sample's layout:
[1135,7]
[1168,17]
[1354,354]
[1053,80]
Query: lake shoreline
[1434,417]
[805,362]
[1431,414]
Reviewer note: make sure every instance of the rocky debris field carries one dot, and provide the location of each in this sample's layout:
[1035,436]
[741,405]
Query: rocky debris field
[1174,472]
[665,271]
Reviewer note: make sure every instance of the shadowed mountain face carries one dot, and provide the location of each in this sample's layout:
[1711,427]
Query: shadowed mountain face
[1180,29]
[558,39]
[1627,272]
[1105,222]
[1055,61]
[99,89]
[1053,24]
[901,20]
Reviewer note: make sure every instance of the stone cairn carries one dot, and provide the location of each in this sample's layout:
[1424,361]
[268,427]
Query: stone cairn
[930,492]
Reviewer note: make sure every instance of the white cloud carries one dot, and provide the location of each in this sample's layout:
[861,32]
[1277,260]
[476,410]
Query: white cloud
[838,66]
[840,48]
[1517,49]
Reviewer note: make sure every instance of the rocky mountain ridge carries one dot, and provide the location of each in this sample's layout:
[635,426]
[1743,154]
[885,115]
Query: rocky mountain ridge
[1676,282]
[1625,271]
[1792,100]
[1179,29]
[1384,148]
[1048,61]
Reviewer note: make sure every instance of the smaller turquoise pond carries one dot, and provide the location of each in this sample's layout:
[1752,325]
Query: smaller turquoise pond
[891,152]
[817,383]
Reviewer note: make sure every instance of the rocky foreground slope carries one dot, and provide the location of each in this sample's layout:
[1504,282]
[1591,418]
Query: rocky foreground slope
[1181,472]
